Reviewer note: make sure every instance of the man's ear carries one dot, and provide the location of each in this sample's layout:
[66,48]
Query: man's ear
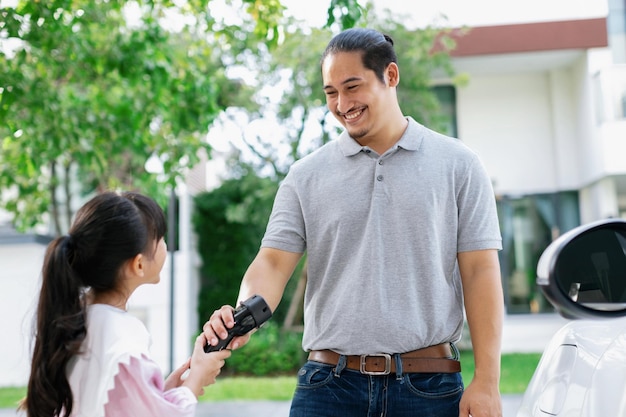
[392,72]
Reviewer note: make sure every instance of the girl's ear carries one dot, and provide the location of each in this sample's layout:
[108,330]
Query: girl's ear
[135,266]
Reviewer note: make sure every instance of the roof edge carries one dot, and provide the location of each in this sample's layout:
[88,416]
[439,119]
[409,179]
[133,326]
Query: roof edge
[530,37]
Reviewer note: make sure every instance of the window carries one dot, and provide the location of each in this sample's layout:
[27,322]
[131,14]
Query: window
[446,94]
[528,225]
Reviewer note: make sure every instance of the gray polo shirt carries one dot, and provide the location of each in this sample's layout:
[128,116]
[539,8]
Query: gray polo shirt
[381,234]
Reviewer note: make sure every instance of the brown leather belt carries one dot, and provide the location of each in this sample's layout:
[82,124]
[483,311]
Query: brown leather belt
[433,359]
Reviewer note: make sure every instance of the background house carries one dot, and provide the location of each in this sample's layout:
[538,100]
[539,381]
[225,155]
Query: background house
[544,107]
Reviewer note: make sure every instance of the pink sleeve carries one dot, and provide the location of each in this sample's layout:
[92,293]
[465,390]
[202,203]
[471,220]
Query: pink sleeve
[138,391]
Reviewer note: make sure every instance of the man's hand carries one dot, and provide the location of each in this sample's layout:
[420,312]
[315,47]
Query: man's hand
[217,327]
[480,400]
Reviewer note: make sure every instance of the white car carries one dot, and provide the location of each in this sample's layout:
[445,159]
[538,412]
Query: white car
[582,371]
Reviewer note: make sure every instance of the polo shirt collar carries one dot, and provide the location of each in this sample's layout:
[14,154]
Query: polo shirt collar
[410,140]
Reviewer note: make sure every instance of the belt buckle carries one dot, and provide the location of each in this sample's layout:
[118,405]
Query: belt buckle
[387,370]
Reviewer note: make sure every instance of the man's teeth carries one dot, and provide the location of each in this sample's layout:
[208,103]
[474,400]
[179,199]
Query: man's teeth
[353,115]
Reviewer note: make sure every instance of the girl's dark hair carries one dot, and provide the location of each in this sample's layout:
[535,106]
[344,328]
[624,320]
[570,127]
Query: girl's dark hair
[376,48]
[108,230]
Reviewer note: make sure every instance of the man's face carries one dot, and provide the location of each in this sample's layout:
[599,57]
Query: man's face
[357,98]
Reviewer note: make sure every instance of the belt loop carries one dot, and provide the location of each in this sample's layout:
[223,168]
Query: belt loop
[398,360]
[455,351]
[341,365]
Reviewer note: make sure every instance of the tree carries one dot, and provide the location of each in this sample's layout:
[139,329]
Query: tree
[95,88]
[91,97]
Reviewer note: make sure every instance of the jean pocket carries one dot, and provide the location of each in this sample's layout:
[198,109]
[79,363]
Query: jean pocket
[314,375]
[441,385]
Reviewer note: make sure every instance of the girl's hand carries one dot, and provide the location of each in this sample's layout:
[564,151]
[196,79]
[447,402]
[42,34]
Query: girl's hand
[204,367]
[175,379]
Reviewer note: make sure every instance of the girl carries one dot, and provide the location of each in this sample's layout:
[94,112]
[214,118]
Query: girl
[91,357]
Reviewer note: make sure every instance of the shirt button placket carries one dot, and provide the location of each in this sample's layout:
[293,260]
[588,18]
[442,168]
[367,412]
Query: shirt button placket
[379,176]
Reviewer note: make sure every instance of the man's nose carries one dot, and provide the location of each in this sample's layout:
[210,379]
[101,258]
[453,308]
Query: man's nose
[343,104]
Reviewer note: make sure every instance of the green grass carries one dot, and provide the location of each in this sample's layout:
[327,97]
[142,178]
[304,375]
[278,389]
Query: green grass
[279,388]
[10,396]
[517,369]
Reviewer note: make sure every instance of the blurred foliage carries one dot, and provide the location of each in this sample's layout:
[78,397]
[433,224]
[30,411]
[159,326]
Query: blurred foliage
[270,351]
[346,12]
[93,89]
[229,222]
[293,68]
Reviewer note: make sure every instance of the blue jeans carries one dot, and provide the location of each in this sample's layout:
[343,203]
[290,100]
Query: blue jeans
[330,391]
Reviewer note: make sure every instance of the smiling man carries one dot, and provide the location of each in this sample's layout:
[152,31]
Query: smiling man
[364,99]
[400,228]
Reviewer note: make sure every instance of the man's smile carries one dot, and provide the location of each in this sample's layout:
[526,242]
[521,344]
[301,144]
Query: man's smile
[351,115]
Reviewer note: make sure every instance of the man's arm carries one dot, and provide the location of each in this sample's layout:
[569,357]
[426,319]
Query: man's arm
[484,307]
[266,276]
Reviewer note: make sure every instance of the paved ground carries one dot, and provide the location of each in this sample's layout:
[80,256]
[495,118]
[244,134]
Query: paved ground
[522,333]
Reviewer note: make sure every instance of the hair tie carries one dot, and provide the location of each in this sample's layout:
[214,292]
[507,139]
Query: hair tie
[69,244]
[69,241]
[68,247]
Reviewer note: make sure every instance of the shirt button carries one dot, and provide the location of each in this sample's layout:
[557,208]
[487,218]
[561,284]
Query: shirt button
[380,162]
[379,178]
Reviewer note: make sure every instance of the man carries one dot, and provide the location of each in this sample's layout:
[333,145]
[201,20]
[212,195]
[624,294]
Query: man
[400,228]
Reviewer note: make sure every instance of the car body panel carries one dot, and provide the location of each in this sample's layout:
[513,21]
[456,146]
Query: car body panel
[582,372]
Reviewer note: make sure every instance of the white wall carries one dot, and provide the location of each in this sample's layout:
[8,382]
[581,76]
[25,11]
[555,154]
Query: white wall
[598,201]
[507,120]
[565,85]
[19,281]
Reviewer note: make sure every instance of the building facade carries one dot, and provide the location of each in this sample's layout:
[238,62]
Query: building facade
[545,108]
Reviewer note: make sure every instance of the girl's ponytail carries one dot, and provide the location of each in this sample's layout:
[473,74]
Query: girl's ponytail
[60,329]
[107,231]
